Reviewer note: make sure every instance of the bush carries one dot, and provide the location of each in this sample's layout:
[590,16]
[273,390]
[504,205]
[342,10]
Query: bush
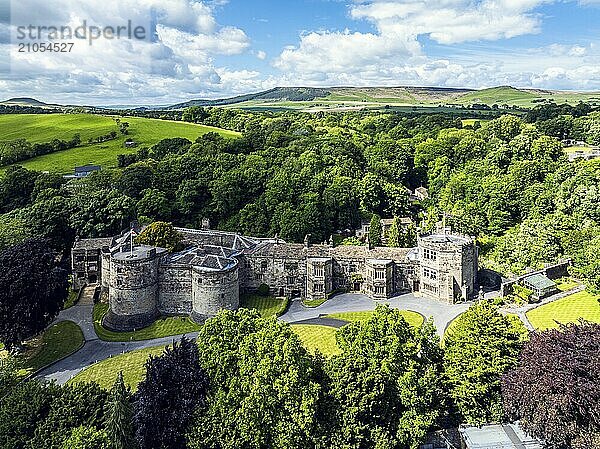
[263,290]
[522,292]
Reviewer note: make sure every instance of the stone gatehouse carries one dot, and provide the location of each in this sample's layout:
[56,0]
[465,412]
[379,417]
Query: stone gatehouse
[215,267]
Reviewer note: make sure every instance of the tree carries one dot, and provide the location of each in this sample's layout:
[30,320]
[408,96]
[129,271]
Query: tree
[33,289]
[555,389]
[9,373]
[119,416]
[162,235]
[480,347]
[87,437]
[154,205]
[101,213]
[385,388]
[393,236]
[375,231]
[174,388]
[71,406]
[265,389]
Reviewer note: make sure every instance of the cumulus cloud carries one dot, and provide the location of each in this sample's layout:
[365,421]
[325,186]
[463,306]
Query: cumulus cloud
[174,60]
[393,53]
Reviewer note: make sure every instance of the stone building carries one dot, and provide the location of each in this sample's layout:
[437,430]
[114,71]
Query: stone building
[215,267]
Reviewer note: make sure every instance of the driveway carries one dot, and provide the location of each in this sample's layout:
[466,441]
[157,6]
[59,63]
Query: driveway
[96,350]
[441,313]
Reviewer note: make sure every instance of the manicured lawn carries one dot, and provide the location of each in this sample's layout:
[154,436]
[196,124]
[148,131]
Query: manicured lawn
[163,327]
[413,318]
[312,303]
[314,337]
[266,305]
[58,341]
[71,299]
[131,363]
[566,284]
[45,127]
[582,305]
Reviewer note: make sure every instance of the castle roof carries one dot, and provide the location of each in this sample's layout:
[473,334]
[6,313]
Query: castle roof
[96,243]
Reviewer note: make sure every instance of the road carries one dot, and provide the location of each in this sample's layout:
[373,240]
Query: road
[95,350]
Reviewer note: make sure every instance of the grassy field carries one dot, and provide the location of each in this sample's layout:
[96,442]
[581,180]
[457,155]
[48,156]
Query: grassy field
[45,127]
[162,327]
[413,318]
[266,305]
[104,373]
[566,284]
[315,337]
[57,342]
[582,305]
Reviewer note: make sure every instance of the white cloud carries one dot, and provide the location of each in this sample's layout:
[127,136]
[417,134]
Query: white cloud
[261,55]
[177,59]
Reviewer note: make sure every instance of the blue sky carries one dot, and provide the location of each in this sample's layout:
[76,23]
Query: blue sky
[210,49]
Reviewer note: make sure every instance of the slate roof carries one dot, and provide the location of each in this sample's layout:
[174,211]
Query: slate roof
[97,243]
[539,281]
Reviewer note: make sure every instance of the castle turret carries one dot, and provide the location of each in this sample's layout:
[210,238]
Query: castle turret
[133,288]
[215,287]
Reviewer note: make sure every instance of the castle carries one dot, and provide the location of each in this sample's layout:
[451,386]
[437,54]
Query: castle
[144,282]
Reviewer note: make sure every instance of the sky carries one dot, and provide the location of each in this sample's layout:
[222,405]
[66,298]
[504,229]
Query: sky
[220,48]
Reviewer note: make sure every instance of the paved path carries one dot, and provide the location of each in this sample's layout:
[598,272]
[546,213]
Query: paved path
[96,350]
[441,313]
[81,313]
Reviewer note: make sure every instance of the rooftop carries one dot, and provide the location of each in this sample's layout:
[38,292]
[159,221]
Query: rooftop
[447,238]
[500,436]
[539,281]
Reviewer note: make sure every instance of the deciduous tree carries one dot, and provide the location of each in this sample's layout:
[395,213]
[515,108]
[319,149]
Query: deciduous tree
[555,389]
[33,289]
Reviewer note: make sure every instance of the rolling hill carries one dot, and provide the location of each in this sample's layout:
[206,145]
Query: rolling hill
[45,127]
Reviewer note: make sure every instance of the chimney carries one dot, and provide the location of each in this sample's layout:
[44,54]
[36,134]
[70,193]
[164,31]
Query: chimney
[307,241]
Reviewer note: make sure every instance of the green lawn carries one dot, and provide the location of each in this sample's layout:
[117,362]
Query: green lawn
[413,318]
[566,284]
[266,305]
[104,373]
[58,341]
[312,303]
[163,327]
[315,337]
[45,127]
[71,299]
[581,305]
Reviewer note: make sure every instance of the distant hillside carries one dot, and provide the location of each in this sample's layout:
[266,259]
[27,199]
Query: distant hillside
[25,101]
[276,94]
[344,98]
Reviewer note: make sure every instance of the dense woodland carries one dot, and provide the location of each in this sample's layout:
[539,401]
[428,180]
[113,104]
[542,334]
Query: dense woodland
[505,181]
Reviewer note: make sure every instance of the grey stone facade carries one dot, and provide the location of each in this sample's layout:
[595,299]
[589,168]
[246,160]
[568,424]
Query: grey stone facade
[209,275]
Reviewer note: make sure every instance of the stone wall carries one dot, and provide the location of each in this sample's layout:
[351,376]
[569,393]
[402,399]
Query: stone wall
[133,290]
[175,290]
[213,291]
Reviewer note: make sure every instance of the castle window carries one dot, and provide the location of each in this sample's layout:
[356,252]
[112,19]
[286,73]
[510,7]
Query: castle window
[291,280]
[429,254]
[291,266]
[379,290]
[263,265]
[352,268]
[79,258]
[430,288]
[379,274]
[319,271]
[80,274]
[259,277]
[430,274]
[318,288]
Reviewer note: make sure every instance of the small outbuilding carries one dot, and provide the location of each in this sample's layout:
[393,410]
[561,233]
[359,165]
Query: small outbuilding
[497,436]
[541,286]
